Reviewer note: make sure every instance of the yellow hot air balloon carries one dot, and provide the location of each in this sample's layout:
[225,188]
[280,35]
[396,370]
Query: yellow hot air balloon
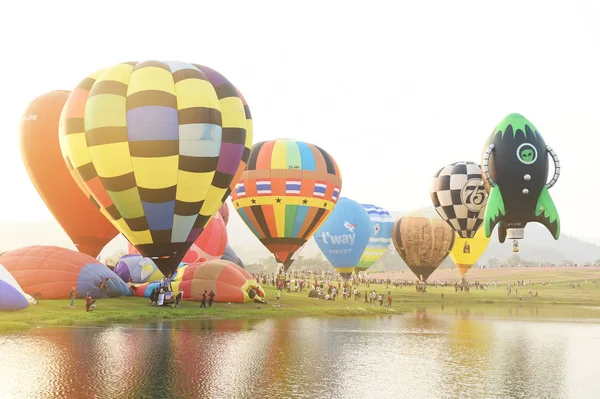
[466,251]
[156,146]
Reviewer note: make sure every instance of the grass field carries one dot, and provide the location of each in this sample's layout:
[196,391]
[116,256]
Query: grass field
[556,301]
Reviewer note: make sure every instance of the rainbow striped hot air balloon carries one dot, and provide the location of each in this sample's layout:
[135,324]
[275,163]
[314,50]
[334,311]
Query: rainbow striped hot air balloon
[156,145]
[286,192]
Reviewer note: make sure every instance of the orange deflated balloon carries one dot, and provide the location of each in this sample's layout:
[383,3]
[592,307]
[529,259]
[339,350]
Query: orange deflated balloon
[89,230]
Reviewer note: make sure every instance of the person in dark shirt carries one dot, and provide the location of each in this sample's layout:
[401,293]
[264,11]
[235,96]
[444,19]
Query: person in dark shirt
[90,303]
[211,298]
[178,299]
[203,303]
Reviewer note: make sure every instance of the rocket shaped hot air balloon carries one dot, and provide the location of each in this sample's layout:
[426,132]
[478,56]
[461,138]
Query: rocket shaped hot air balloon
[157,146]
[515,166]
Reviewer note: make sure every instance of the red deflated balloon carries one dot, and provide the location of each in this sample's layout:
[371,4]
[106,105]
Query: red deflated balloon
[89,230]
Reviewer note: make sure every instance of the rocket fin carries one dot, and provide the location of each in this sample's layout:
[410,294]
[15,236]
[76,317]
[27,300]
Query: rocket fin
[501,232]
[547,214]
[493,210]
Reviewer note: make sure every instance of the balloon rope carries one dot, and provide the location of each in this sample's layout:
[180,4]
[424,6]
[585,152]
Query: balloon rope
[486,161]
[556,167]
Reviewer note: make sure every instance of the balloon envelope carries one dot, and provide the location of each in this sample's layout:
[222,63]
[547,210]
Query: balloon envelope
[459,197]
[229,282]
[138,268]
[52,271]
[286,192]
[518,164]
[12,296]
[423,243]
[224,211]
[345,235]
[381,236]
[89,230]
[157,145]
[231,256]
[466,251]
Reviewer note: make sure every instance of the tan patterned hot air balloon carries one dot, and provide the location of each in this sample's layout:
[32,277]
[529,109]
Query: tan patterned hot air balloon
[423,243]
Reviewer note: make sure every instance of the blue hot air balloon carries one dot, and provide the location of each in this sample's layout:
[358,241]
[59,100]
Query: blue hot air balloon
[345,235]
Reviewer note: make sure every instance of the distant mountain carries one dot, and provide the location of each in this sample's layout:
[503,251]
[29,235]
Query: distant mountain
[538,245]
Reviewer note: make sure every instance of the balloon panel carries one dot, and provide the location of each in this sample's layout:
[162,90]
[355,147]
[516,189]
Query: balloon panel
[422,243]
[81,220]
[287,191]
[157,147]
[459,197]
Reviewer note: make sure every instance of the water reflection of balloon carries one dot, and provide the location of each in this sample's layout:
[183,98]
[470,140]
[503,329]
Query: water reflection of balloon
[40,150]
[157,145]
[286,192]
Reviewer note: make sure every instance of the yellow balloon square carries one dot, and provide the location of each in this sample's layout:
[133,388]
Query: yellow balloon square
[155,172]
[111,160]
[193,187]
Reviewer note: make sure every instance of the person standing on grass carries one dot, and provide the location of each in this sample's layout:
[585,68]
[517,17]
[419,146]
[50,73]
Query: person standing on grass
[203,303]
[72,296]
[211,298]
[278,295]
[389,299]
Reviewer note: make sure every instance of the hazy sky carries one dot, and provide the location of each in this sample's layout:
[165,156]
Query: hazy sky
[393,90]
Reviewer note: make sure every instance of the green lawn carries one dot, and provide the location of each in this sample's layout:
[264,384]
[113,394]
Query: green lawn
[559,300]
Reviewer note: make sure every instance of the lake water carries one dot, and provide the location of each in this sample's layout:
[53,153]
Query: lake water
[423,354]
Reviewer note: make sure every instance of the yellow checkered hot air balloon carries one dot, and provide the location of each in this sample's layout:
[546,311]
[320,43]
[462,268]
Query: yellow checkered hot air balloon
[157,145]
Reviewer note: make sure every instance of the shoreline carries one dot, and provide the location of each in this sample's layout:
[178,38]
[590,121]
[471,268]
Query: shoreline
[558,301]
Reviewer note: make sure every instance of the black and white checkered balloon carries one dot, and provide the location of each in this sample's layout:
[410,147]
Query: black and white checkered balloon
[459,197]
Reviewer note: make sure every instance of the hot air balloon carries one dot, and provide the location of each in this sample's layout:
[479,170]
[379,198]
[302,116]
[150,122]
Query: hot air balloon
[224,211]
[231,256]
[515,167]
[459,197]
[52,271]
[345,235]
[156,145]
[466,251]
[12,296]
[381,236]
[230,283]
[423,243]
[40,150]
[286,192]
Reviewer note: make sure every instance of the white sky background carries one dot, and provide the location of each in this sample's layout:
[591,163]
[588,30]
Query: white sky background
[393,90]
